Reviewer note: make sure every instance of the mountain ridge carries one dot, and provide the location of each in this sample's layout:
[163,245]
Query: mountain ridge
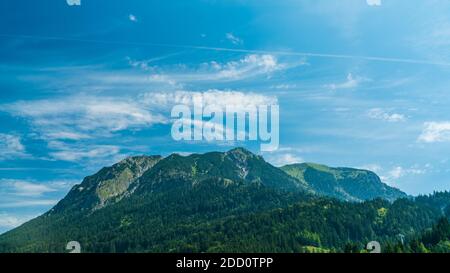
[145,173]
[349,184]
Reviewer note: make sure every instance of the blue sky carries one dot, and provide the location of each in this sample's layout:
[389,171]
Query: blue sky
[359,83]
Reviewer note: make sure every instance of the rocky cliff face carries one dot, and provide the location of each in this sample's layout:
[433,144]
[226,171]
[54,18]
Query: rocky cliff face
[107,186]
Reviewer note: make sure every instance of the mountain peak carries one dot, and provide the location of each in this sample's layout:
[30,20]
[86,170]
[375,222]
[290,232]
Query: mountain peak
[240,150]
[241,155]
[238,165]
[139,158]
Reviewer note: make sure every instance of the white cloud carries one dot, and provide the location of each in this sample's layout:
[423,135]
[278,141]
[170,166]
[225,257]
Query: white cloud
[284,159]
[284,86]
[75,152]
[234,39]
[11,147]
[380,114]
[210,97]
[132,18]
[17,193]
[67,135]
[352,82]
[249,66]
[73,125]
[144,64]
[394,174]
[11,221]
[30,189]
[372,167]
[13,187]
[239,101]
[397,172]
[284,156]
[29,203]
[435,132]
[80,117]
[373,2]
[164,79]
[73,2]
[135,82]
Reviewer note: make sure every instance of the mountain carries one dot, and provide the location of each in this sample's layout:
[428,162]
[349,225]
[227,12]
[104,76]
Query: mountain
[343,183]
[143,175]
[147,174]
[222,202]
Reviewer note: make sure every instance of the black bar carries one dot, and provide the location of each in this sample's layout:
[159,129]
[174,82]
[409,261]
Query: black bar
[223,262]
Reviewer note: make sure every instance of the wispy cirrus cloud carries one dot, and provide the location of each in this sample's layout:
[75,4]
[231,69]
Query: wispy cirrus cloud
[435,132]
[84,117]
[23,188]
[234,39]
[8,221]
[73,126]
[381,114]
[81,117]
[396,175]
[76,152]
[31,188]
[221,98]
[398,172]
[29,203]
[248,67]
[11,147]
[250,51]
[352,82]
[144,74]
[76,127]
[22,199]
